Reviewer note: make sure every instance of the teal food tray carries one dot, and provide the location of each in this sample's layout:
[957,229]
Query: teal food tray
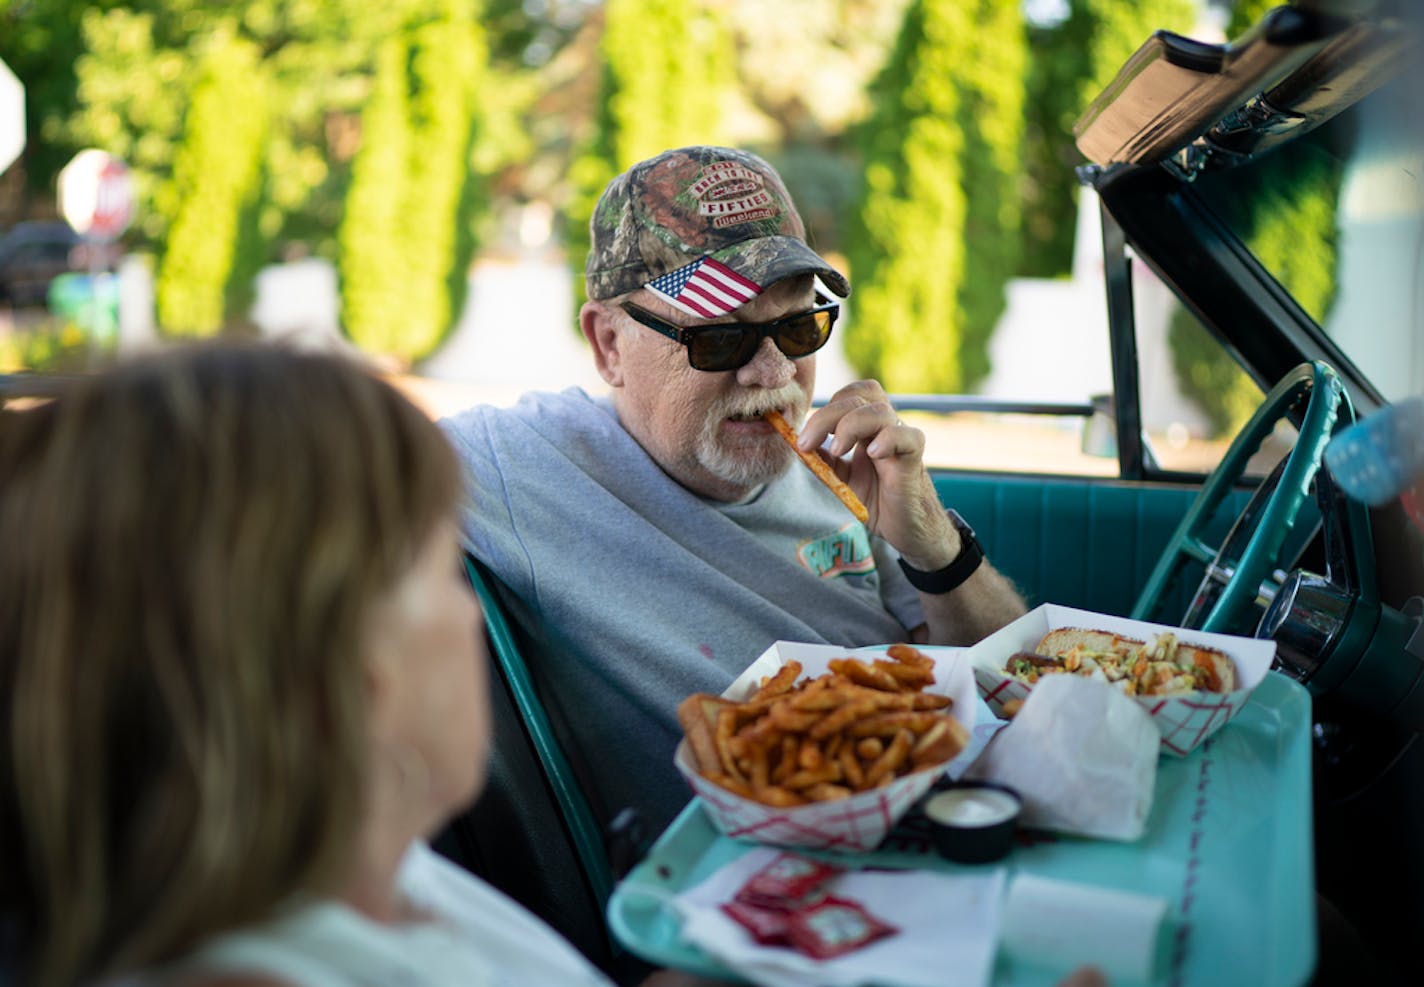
[1228,846]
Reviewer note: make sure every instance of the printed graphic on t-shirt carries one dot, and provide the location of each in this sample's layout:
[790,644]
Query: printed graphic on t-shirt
[841,553]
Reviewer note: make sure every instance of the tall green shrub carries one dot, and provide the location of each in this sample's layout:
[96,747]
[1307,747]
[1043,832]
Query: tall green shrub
[668,68]
[446,70]
[217,182]
[937,229]
[991,112]
[138,68]
[407,236]
[1285,212]
[373,266]
[1072,61]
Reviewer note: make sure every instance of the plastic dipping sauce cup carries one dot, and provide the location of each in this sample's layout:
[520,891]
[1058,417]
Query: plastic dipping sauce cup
[973,822]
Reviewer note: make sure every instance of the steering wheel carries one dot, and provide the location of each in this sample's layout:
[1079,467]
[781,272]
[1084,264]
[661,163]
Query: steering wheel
[1253,547]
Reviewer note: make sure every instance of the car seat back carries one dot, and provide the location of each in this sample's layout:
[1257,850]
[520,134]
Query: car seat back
[532,833]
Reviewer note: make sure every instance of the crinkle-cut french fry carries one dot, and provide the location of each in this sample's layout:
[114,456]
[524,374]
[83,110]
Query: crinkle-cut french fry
[839,719]
[697,725]
[775,795]
[914,676]
[908,654]
[786,760]
[735,785]
[940,742]
[851,770]
[867,675]
[831,771]
[790,720]
[726,724]
[760,770]
[818,700]
[895,754]
[929,700]
[889,724]
[781,682]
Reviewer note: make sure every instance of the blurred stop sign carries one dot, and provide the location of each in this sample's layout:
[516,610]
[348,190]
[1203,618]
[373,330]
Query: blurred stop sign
[96,195]
[12,117]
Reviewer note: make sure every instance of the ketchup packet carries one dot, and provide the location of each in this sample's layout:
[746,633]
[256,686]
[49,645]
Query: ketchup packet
[787,883]
[766,925]
[833,926]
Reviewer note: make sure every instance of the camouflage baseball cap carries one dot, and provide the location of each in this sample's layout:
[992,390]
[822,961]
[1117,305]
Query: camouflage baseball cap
[663,216]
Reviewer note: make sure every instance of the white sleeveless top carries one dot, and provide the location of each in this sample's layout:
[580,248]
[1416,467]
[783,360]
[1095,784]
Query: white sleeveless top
[478,938]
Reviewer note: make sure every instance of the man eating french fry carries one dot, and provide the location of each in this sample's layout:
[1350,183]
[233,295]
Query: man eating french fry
[656,540]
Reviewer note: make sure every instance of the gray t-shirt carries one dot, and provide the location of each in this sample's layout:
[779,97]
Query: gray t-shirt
[641,592]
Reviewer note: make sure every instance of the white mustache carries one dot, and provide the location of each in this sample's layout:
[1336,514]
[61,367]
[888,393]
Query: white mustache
[792,401]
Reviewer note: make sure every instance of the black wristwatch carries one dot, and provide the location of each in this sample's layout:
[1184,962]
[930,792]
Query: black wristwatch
[952,576]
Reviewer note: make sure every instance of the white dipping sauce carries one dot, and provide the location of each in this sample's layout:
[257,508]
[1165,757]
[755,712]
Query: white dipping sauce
[971,807]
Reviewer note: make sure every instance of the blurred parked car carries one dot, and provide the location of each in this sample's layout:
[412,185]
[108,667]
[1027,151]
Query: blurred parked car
[32,255]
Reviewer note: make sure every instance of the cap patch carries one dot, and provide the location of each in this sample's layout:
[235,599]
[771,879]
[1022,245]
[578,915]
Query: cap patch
[731,193]
[704,288]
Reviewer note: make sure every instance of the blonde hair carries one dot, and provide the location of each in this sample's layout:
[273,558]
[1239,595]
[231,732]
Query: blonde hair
[191,543]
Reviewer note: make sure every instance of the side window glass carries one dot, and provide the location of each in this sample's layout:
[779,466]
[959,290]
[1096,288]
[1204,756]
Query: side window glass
[1195,396]
[1049,357]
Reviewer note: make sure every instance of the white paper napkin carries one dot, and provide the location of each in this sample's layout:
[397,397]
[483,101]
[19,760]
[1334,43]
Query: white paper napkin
[1066,924]
[1081,755]
[948,926]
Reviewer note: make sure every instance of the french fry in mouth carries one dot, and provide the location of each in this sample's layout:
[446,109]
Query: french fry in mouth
[818,466]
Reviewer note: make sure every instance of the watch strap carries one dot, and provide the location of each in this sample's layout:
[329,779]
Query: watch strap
[952,576]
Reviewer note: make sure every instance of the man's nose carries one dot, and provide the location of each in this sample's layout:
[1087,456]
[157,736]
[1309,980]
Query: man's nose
[768,368]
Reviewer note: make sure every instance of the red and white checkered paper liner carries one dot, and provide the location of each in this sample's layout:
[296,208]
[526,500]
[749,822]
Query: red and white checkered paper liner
[857,823]
[1184,720]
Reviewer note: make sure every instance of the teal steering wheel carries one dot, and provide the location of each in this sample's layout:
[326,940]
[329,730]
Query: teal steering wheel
[1236,570]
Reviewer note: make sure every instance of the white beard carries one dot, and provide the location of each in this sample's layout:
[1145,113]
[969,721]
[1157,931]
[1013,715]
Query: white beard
[750,464]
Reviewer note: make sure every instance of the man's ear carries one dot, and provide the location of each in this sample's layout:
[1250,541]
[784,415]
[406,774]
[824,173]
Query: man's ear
[600,328]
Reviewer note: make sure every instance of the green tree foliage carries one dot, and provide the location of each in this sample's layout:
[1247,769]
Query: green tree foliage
[40,41]
[137,67]
[669,69]
[446,70]
[1072,61]
[1247,13]
[941,159]
[1206,374]
[373,267]
[1285,213]
[136,77]
[991,116]
[133,94]
[407,239]
[217,181]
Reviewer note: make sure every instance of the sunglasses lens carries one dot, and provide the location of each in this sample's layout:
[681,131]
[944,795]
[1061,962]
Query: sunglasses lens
[732,346]
[715,348]
[805,334]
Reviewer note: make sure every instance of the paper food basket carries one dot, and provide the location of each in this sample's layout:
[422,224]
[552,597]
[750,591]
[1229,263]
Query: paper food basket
[1184,720]
[859,822]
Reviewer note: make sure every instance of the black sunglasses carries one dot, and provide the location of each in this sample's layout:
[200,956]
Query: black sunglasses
[730,345]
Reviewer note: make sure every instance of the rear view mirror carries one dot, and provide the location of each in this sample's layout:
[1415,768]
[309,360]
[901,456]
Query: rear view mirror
[1100,429]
